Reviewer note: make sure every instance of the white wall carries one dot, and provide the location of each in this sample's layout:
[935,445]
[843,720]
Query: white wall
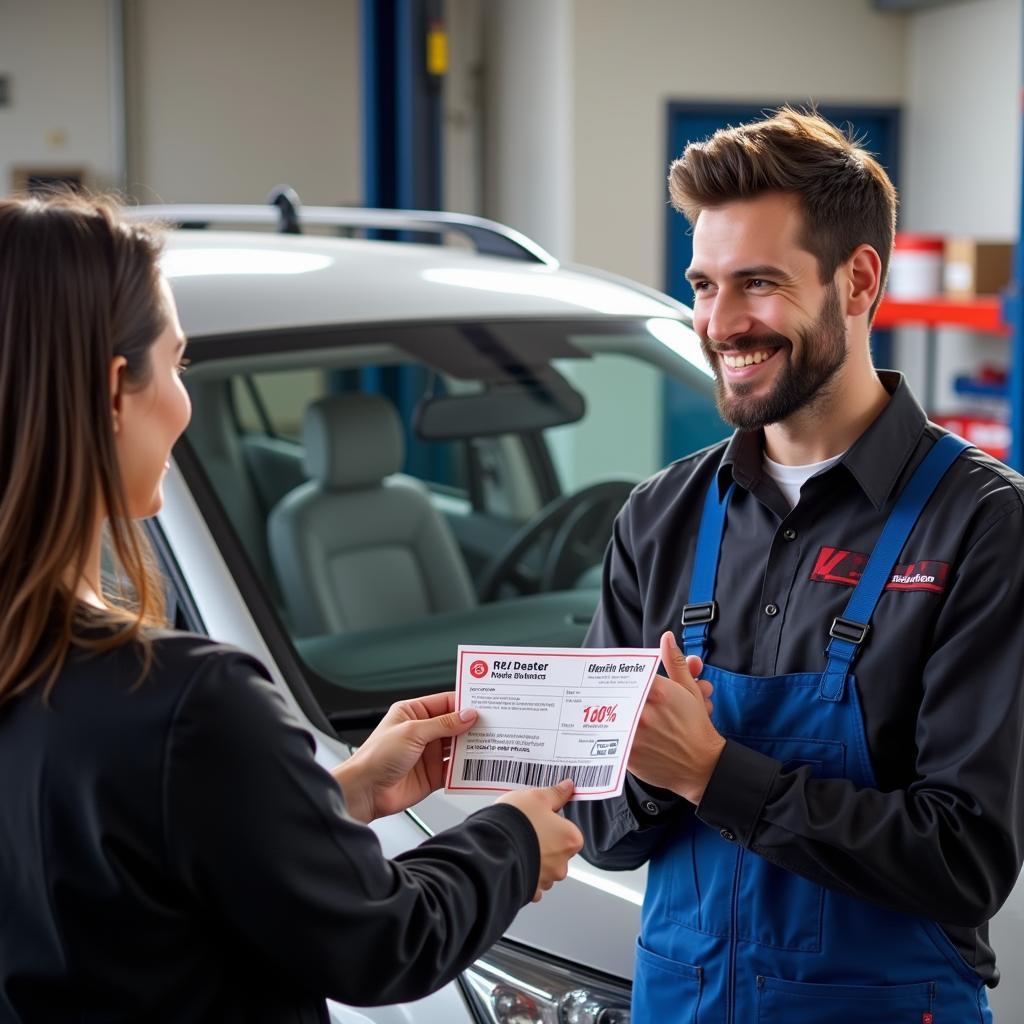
[57,55]
[961,139]
[229,98]
[463,99]
[530,46]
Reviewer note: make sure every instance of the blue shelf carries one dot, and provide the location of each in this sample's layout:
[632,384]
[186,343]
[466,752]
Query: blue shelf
[980,389]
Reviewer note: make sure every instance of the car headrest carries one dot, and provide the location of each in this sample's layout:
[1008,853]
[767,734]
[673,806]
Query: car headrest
[352,440]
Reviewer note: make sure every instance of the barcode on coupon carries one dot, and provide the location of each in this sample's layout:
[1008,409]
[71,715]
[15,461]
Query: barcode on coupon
[534,773]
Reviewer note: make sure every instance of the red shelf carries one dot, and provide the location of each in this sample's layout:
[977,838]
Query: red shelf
[983,313]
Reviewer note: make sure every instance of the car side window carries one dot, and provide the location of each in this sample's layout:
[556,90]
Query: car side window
[274,403]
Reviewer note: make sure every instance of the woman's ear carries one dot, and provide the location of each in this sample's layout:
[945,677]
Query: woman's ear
[863,280]
[116,386]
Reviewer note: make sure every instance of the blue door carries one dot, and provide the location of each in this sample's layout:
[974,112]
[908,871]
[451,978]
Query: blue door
[691,420]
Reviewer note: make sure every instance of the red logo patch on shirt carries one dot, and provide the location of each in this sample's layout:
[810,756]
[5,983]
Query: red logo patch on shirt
[834,565]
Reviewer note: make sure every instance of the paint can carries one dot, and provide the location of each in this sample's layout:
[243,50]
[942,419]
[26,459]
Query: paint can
[915,271]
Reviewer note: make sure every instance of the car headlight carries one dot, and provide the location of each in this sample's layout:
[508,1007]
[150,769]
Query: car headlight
[511,985]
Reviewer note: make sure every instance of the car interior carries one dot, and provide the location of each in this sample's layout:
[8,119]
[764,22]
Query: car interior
[398,497]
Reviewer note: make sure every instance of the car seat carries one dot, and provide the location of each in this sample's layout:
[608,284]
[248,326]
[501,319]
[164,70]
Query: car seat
[352,549]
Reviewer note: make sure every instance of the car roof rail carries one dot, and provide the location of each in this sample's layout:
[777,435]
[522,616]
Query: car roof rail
[285,211]
[287,201]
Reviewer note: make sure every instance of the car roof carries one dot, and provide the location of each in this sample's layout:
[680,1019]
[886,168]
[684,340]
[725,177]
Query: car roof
[240,282]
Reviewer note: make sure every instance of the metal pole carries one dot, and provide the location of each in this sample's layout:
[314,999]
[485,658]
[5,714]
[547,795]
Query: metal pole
[1013,312]
[116,87]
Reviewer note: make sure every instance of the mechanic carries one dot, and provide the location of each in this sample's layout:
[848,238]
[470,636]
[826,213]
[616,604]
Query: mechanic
[832,841]
[169,848]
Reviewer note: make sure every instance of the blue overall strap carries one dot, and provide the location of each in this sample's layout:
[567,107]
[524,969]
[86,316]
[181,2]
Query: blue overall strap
[701,609]
[850,629]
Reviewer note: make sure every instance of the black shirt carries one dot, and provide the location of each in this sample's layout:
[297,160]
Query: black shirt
[939,678]
[172,852]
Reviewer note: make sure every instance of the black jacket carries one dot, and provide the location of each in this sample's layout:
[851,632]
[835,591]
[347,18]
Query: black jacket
[172,852]
[940,678]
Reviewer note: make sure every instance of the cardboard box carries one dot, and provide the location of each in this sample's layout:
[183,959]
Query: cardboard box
[974,268]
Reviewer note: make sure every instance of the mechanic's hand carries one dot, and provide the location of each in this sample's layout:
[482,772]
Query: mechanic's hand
[676,746]
[403,759]
[559,839]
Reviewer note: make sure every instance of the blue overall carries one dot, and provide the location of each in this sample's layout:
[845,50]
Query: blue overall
[728,936]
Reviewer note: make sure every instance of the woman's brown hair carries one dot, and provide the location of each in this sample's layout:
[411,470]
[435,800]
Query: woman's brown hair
[846,196]
[79,285]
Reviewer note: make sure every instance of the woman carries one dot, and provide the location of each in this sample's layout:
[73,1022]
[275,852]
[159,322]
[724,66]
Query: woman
[169,848]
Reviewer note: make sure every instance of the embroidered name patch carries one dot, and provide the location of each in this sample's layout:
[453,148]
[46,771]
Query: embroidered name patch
[834,565]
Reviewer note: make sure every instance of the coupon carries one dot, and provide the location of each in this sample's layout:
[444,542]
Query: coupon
[547,714]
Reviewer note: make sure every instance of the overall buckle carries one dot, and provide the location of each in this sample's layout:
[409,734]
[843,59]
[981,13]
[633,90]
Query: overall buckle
[849,630]
[700,614]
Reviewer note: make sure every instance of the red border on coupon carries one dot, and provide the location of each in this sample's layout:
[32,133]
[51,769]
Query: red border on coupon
[617,652]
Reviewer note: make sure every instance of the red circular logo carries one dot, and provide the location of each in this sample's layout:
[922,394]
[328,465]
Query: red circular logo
[478,669]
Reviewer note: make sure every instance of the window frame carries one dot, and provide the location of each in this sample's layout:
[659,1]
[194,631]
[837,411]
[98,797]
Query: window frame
[362,709]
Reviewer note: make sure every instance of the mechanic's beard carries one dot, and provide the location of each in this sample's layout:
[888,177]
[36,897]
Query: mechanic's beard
[802,381]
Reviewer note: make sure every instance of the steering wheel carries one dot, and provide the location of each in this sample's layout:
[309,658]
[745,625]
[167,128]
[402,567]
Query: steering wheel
[580,525]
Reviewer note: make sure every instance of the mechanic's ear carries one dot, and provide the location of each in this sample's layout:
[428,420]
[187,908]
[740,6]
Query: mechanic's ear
[863,279]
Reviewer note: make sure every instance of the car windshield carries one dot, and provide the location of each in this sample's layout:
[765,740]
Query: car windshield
[398,490]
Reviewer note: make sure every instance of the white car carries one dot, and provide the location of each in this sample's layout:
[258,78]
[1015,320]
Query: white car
[397,447]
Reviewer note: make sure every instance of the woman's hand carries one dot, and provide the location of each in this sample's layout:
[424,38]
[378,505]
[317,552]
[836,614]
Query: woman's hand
[403,759]
[559,840]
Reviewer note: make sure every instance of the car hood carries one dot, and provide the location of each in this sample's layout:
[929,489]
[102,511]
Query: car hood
[592,918]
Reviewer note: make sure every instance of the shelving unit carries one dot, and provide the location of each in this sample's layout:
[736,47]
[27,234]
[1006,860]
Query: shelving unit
[980,389]
[1014,315]
[986,314]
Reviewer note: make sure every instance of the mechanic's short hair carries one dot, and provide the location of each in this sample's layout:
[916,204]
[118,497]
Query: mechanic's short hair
[846,197]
